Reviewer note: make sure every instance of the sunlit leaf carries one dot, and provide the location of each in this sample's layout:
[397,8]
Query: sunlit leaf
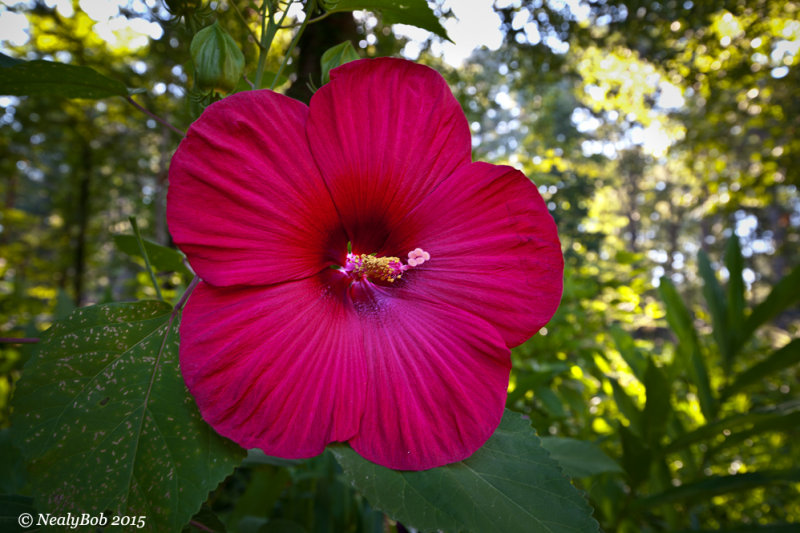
[579,458]
[715,485]
[510,484]
[412,12]
[29,78]
[105,422]
[775,417]
[628,351]
[682,323]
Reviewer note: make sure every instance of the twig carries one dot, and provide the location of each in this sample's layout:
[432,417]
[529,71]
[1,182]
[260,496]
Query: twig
[155,117]
[18,340]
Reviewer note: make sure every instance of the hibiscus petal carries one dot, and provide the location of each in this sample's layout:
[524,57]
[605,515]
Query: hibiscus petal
[494,249]
[278,368]
[437,379]
[246,202]
[384,132]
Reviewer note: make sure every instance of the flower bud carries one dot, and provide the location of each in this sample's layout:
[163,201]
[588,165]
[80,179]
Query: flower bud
[218,62]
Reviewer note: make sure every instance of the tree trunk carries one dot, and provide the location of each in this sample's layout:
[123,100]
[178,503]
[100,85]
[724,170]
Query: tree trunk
[317,38]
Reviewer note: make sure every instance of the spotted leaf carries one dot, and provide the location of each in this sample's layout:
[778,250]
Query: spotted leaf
[106,424]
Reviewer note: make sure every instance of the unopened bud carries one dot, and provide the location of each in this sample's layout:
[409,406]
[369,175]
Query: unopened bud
[218,62]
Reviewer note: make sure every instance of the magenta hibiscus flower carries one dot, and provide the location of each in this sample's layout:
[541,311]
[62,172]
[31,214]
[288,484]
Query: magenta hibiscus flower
[363,280]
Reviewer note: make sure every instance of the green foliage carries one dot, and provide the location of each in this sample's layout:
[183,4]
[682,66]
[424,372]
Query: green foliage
[106,423]
[337,55]
[162,258]
[24,78]
[412,12]
[510,484]
[579,458]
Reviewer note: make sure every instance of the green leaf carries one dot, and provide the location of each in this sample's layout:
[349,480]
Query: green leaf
[12,470]
[412,12]
[776,417]
[162,258]
[714,485]
[11,506]
[6,61]
[778,360]
[579,458]
[29,78]
[510,484]
[657,406]
[627,406]
[335,56]
[629,352]
[717,305]
[205,521]
[636,457]
[785,293]
[735,265]
[106,424]
[682,323]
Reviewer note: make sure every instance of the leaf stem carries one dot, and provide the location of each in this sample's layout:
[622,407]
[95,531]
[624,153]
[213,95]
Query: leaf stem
[185,296]
[143,251]
[18,340]
[312,21]
[247,26]
[155,117]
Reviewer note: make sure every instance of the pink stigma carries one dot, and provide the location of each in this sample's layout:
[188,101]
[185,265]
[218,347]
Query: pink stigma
[366,266]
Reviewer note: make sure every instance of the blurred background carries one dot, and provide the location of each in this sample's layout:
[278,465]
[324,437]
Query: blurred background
[665,138]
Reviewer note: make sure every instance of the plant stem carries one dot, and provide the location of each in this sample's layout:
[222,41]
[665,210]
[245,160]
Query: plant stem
[293,44]
[143,251]
[185,296]
[244,21]
[155,117]
[18,340]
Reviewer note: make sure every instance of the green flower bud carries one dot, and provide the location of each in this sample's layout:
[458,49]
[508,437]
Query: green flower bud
[218,62]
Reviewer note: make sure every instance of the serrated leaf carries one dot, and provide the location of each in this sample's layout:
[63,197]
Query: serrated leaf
[413,12]
[106,424]
[162,258]
[579,458]
[28,78]
[511,484]
[335,56]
